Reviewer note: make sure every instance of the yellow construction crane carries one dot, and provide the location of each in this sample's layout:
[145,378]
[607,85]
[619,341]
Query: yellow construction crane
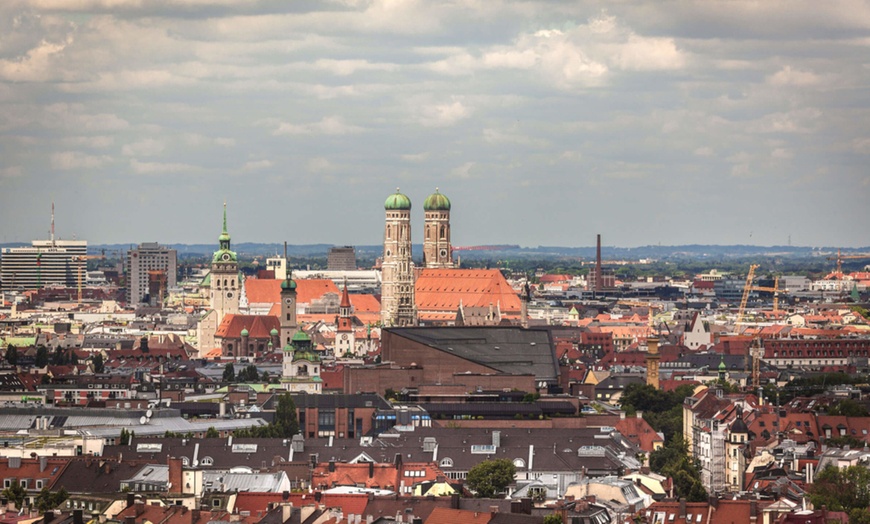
[775,290]
[85,258]
[840,257]
[746,290]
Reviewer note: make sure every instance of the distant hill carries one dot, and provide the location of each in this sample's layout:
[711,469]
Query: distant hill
[691,251]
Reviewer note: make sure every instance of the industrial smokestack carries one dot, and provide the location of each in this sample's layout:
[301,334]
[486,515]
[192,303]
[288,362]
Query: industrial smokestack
[598,264]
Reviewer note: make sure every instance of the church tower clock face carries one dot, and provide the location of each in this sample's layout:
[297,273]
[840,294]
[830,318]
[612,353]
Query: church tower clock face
[230,295]
[289,301]
[226,257]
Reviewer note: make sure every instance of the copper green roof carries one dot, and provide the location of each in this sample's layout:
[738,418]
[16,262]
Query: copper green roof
[244,332]
[300,336]
[274,332]
[397,202]
[224,236]
[288,283]
[722,366]
[436,202]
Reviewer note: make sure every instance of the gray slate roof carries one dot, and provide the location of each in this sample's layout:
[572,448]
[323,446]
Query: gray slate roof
[506,349]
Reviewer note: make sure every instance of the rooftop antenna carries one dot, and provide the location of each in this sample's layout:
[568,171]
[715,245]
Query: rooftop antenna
[52,224]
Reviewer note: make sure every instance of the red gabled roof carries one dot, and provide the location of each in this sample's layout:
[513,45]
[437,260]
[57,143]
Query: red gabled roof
[258,326]
[444,289]
[638,431]
[365,304]
[265,291]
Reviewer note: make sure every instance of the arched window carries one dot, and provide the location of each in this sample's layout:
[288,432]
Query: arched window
[446,462]
[519,463]
[207,461]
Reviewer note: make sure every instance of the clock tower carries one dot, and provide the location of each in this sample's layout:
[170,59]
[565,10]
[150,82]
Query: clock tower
[224,289]
[288,309]
[344,339]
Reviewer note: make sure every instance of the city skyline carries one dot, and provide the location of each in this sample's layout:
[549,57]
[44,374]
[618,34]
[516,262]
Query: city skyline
[544,123]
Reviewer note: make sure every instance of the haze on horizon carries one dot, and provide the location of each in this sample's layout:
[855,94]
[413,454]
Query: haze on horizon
[697,122]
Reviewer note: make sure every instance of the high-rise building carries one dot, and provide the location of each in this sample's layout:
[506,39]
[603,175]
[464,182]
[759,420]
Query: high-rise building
[144,263]
[437,251]
[397,287]
[44,263]
[341,259]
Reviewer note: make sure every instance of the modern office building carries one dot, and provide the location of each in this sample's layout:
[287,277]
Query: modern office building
[150,263]
[341,259]
[44,263]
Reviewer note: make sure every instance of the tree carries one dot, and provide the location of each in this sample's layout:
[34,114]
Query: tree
[553,518]
[47,500]
[285,420]
[125,437]
[844,489]
[15,493]
[73,357]
[12,355]
[229,373]
[97,361]
[41,356]
[491,477]
[212,433]
[847,408]
[249,374]
[674,461]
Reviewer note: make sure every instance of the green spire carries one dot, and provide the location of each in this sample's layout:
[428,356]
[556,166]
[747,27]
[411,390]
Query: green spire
[225,236]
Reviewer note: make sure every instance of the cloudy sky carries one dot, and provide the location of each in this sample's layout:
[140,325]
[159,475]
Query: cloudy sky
[545,122]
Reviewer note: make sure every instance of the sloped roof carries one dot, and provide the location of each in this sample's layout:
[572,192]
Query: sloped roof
[258,326]
[443,289]
[506,349]
[265,291]
[365,303]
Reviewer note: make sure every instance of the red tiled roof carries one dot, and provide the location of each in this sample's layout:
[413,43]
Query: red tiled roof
[443,289]
[265,291]
[258,326]
[638,431]
[365,303]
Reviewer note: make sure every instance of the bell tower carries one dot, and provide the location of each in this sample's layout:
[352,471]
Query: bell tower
[288,309]
[437,251]
[397,280]
[225,280]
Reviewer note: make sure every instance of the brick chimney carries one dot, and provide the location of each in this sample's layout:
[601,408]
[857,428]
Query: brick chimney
[176,477]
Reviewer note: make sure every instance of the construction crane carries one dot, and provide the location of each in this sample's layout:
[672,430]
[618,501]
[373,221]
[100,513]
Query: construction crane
[80,259]
[840,257]
[746,290]
[775,290]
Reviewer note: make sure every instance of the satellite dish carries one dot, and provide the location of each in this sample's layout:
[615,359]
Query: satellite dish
[142,420]
[149,413]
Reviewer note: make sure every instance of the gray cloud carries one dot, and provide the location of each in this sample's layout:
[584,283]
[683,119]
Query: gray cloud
[545,122]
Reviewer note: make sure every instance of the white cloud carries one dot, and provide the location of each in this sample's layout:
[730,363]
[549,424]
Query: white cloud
[330,125]
[443,115]
[157,168]
[704,151]
[146,147]
[94,142]
[861,146]
[11,172]
[36,66]
[787,76]
[463,171]
[67,160]
[649,54]
[782,153]
[416,157]
[319,164]
[257,165]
